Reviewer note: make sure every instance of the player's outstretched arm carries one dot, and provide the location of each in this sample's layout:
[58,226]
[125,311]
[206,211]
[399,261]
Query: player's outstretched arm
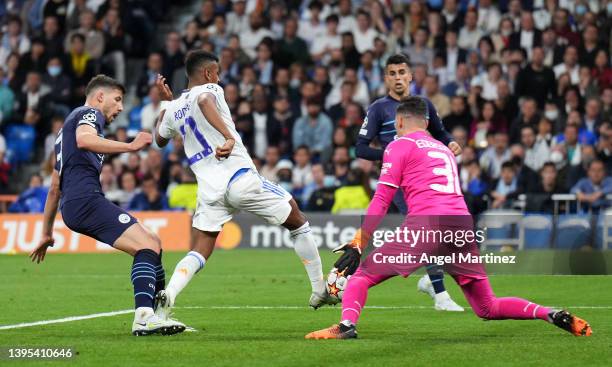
[208,106]
[51,205]
[87,138]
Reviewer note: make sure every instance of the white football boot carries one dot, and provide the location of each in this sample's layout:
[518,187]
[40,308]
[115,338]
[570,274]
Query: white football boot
[442,301]
[320,299]
[146,322]
[163,308]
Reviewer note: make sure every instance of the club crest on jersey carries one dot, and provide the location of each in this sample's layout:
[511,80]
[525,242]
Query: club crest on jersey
[124,218]
[363,130]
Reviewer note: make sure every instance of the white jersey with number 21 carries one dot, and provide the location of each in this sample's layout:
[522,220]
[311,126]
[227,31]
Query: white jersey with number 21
[183,116]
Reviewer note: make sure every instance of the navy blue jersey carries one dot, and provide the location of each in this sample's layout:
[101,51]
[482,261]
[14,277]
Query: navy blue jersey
[79,169]
[380,123]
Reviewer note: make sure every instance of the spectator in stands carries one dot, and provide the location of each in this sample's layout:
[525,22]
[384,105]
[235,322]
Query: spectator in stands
[60,84]
[150,111]
[592,190]
[592,118]
[33,104]
[340,165]
[536,153]
[541,199]
[504,188]
[490,120]
[7,100]
[94,39]
[360,96]
[128,189]
[354,195]
[419,52]
[536,80]
[35,59]
[588,48]
[184,194]
[149,198]
[474,187]
[33,199]
[528,36]
[527,178]
[56,124]
[264,67]
[291,48]
[280,125]
[238,19]
[190,39]
[256,33]
[52,36]
[81,67]
[13,40]
[370,72]
[207,14]
[528,117]
[115,44]
[269,169]
[459,114]
[302,171]
[470,33]
[571,145]
[313,27]
[322,46]
[602,72]
[338,110]
[172,56]
[284,174]
[155,66]
[569,65]
[432,91]
[488,17]
[314,130]
[493,157]
[364,34]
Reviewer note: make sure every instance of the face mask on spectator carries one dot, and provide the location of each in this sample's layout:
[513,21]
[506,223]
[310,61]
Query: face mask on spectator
[581,9]
[329,181]
[54,70]
[551,114]
[506,32]
[557,158]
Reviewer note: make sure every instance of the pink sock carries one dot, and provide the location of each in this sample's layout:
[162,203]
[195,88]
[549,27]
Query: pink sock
[356,294]
[484,303]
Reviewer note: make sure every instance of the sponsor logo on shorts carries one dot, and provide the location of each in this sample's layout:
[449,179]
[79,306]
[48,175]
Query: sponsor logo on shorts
[124,218]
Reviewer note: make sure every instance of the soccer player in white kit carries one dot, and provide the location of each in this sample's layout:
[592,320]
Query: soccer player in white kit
[227,178]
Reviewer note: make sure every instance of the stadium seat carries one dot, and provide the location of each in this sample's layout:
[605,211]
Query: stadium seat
[20,143]
[537,231]
[501,227]
[603,232]
[573,231]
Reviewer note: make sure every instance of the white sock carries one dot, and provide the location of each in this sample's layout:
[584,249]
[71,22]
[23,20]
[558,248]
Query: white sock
[306,249]
[184,271]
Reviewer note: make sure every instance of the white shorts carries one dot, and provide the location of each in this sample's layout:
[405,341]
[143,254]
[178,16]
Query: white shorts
[249,192]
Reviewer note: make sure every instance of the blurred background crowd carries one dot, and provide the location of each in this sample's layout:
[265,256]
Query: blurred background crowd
[524,86]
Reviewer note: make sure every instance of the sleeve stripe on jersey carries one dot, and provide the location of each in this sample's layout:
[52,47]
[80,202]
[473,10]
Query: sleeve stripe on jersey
[87,122]
[388,184]
[406,138]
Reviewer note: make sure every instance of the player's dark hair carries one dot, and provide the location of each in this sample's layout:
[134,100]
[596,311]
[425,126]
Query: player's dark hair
[196,59]
[413,106]
[103,81]
[398,59]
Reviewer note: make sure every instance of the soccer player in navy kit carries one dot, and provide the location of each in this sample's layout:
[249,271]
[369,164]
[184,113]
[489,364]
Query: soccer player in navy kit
[380,123]
[75,185]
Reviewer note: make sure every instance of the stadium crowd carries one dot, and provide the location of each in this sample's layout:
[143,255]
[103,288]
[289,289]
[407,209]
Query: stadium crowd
[525,87]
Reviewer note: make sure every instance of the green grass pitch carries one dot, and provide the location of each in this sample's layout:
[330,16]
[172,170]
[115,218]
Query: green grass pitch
[408,332]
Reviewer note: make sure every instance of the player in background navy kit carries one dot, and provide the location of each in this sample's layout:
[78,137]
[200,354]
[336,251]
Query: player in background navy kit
[75,185]
[380,123]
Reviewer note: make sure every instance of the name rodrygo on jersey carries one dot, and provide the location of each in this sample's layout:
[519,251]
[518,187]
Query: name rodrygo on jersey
[183,116]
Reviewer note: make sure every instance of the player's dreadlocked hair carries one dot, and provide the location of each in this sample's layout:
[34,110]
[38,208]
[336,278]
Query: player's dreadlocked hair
[398,59]
[413,106]
[103,81]
[196,59]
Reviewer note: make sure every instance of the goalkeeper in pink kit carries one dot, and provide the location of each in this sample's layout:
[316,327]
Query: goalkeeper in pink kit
[426,172]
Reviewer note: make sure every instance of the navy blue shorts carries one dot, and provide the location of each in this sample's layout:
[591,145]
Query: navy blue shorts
[96,217]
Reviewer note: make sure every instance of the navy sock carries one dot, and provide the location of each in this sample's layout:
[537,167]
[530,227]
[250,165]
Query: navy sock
[436,276]
[144,277]
[160,275]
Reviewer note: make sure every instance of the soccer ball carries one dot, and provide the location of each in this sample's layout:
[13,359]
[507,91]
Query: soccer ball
[336,282]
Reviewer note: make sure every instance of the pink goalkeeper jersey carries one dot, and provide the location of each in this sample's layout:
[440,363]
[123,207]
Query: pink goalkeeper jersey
[426,172]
